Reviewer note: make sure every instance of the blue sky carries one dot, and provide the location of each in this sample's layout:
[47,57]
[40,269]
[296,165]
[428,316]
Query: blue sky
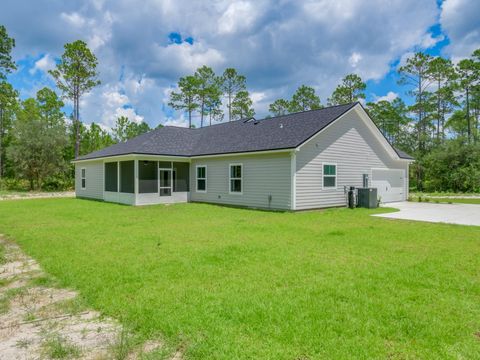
[279,45]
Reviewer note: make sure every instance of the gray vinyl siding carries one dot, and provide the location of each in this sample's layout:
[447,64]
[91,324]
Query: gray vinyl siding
[350,144]
[263,175]
[94,177]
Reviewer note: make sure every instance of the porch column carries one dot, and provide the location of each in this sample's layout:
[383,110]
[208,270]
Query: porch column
[135,162]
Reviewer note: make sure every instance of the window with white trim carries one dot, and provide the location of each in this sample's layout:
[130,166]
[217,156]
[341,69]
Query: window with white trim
[236,173]
[329,176]
[201,178]
[84,177]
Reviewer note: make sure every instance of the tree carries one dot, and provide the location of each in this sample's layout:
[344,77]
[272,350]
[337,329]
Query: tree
[95,138]
[279,107]
[36,151]
[453,167]
[7,94]
[442,73]
[231,84]
[8,103]
[242,106]
[186,98]
[75,75]
[391,117]
[304,99]
[468,78]
[7,65]
[126,129]
[350,90]
[416,74]
[50,106]
[208,90]
[215,113]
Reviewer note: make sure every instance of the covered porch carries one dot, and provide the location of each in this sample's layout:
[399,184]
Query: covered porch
[146,180]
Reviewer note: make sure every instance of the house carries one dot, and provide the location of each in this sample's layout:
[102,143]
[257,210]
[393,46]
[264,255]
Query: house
[298,161]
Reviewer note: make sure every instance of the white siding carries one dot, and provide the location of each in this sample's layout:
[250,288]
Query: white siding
[350,144]
[94,177]
[263,176]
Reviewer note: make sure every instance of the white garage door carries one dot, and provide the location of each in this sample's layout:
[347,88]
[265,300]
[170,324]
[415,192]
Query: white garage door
[390,184]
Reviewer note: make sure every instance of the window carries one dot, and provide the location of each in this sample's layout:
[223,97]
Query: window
[201,178]
[235,178]
[329,175]
[84,178]
[111,176]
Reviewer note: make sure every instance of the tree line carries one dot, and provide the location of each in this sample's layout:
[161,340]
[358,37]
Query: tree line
[205,94]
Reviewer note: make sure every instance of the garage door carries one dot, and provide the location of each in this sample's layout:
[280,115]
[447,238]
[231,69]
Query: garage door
[390,184]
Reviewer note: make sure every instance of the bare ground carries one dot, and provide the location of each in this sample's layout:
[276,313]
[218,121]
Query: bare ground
[42,321]
[37,195]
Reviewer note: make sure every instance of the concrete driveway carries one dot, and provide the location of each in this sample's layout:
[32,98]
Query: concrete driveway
[463,214]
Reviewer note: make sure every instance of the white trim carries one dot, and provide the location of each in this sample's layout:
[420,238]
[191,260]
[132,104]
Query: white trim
[243,153]
[335,176]
[293,182]
[83,176]
[118,177]
[175,158]
[103,179]
[230,179]
[196,178]
[170,169]
[135,180]
[133,156]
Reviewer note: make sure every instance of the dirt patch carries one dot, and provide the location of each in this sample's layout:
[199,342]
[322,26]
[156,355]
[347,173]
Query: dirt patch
[37,195]
[42,322]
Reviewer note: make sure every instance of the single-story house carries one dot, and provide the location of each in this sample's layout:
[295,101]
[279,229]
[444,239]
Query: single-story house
[298,161]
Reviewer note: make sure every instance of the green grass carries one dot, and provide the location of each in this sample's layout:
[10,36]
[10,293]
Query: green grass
[225,283]
[57,347]
[439,200]
[2,254]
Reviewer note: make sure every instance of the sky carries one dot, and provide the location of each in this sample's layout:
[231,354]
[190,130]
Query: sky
[143,47]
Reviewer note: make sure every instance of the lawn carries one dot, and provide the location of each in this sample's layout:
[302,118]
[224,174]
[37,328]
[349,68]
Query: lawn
[446,199]
[225,283]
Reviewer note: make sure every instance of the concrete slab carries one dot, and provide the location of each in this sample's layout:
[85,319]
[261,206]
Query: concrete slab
[462,214]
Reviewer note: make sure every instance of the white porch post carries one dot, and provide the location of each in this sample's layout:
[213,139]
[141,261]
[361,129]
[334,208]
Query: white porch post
[136,180]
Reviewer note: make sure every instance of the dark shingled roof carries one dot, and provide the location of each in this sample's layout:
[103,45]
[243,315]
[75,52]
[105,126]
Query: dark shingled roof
[281,132]
[403,154]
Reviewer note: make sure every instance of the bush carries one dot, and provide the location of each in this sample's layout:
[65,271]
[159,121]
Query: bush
[57,184]
[454,166]
[14,184]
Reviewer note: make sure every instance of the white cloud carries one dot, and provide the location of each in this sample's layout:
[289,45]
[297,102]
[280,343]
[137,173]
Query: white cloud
[43,64]
[354,59]
[105,104]
[186,57]
[180,121]
[73,19]
[459,20]
[239,15]
[389,97]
